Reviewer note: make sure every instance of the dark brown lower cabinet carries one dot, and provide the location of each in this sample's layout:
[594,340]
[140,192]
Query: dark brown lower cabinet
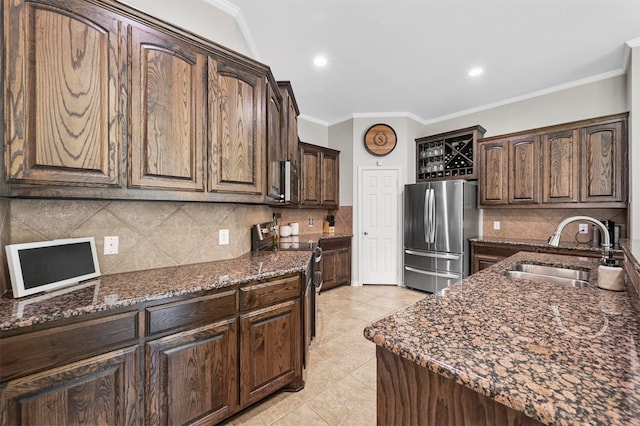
[192,376]
[336,261]
[98,390]
[270,350]
[186,360]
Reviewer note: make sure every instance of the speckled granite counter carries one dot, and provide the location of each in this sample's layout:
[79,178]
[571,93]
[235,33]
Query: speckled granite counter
[568,245]
[561,355]
[118,290]
[632,249]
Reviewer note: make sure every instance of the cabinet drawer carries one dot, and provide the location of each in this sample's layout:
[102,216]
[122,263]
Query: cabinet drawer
[335,243]
[499,250]
[30,352]
[269,293]
[190,312]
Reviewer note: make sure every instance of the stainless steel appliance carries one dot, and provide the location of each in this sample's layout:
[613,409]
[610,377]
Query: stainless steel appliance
[439,219]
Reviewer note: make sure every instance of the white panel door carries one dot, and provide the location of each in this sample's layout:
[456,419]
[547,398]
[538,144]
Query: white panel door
[380,227]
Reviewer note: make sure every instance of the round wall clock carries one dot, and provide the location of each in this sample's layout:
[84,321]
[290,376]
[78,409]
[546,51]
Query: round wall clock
[380,139]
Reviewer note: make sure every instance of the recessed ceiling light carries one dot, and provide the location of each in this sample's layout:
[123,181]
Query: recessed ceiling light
[476,71]
[320,61]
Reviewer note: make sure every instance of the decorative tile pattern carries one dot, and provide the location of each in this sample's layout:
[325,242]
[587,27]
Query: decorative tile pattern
[539,224]
[152,234]
[559,354]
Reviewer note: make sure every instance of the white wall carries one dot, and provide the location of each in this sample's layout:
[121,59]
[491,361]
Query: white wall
[199,18]
[596,99]
[341,138]
[312,131]
[633,73]
[407,129]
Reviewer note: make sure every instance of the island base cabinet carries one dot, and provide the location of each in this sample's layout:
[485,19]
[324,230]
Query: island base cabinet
[270,351]
[192,376]
[409,394]
[98,390]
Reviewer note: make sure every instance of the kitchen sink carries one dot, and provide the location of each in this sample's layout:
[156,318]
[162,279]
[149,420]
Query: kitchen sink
[554,274]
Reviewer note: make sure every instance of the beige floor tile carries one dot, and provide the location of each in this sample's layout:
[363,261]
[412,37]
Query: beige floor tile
[366,373]
[340,379]
[270,410]
[303,415]
[348,402]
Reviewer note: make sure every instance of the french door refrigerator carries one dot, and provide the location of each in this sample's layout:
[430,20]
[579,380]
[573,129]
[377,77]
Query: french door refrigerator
[439,219]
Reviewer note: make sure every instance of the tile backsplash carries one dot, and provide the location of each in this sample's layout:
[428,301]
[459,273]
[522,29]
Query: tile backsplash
[539,224]
[343,218]
[152,234]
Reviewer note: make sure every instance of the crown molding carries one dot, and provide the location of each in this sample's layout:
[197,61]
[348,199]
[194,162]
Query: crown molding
[236,13]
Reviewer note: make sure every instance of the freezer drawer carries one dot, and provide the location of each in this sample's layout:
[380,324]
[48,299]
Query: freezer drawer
[435,260]
[429,280]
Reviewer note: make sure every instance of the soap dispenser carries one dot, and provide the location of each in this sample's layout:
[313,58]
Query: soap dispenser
[610,274]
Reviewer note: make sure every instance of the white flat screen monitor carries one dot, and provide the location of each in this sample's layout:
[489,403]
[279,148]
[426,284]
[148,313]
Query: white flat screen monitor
[48,265]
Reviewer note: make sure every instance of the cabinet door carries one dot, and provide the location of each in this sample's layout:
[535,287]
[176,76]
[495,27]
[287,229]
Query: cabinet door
[167,109]
[276,150]
[493,182]
[330,182]
[270,350]
[99,390]
[290,136]
[193,375]
[524,169]
[343,267]
[62,103]
[237,126]
[603,169]
[329,276]
[310,176]
[560,167]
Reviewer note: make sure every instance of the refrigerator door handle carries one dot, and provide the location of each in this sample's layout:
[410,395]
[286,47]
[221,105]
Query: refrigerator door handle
[432,219]
[426,215]
[436,255]
[433,274]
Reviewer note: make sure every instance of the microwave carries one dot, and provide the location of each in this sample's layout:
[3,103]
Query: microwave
[285,181]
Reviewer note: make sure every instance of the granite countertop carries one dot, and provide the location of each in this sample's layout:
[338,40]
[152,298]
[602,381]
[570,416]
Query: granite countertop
[569,245]
[561,355]
[118,290]
[632,249]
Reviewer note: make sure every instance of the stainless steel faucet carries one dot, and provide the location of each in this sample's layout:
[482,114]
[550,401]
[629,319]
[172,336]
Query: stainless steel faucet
[554,239]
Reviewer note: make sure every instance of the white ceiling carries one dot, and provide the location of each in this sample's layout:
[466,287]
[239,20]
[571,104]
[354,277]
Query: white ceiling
[412,56]
[390,57]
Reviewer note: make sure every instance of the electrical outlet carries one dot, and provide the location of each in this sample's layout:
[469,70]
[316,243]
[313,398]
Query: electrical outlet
[583,228]
[110,245]
[223,237]
[496,224]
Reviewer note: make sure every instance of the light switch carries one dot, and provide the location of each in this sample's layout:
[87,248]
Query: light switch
[496,224]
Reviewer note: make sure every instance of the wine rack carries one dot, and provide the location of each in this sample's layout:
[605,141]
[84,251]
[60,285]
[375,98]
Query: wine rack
[449,155]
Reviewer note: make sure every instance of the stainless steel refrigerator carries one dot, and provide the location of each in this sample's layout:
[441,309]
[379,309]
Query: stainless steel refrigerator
[439,219]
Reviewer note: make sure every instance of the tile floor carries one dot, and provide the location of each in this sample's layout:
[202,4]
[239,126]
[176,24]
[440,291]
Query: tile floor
[340,381]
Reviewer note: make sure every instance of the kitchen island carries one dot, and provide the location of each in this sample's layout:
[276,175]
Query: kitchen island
[498,350]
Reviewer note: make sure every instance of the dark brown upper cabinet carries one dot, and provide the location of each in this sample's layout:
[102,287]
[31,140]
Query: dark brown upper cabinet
[582,164]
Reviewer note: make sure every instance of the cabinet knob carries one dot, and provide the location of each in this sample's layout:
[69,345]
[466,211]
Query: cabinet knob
[366,233]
